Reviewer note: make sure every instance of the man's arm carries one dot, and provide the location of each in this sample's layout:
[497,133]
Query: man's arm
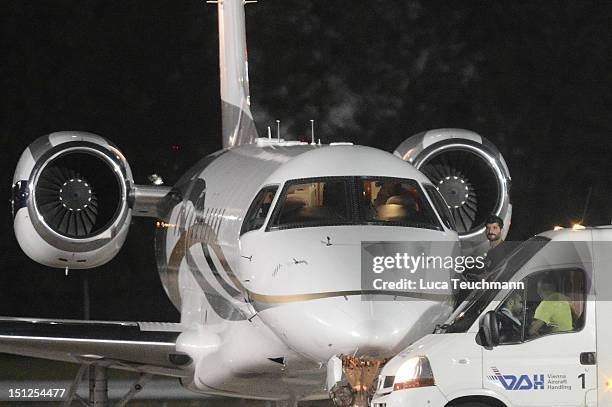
[535,327]
[541,318]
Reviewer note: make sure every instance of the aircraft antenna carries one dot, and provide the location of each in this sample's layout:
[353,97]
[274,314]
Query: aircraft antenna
[278,130]
[312,137]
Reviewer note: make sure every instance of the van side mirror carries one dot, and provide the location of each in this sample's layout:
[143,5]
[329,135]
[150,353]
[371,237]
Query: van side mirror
[488,333]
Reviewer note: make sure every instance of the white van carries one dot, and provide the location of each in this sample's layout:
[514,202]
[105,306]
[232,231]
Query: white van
[547,344]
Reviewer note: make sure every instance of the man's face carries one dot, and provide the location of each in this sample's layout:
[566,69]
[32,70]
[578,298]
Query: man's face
[544,289]
[493,232]
[515,305]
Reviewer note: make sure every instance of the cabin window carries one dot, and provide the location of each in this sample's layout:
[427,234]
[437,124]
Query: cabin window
[441,206]
[258,211]
[316,203]
[395,201]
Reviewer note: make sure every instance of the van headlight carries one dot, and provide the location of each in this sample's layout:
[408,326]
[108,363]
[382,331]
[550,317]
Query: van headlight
[415,372]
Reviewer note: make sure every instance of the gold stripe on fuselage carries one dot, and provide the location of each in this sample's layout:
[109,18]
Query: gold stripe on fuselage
[203,233]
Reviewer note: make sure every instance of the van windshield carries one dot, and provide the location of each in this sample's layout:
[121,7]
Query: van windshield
[364,200]
[470,309]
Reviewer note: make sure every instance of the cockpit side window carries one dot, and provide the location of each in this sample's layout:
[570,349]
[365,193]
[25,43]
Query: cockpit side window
[320,202]
[258,211]
[441,206]
[395,201]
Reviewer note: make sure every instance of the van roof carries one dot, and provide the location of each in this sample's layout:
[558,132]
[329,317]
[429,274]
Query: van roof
[575,234]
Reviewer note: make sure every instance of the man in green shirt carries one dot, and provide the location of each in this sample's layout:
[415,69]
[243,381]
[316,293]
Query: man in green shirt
[553,314]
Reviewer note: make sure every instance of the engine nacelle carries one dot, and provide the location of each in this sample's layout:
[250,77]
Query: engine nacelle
[70,200]
[471,175]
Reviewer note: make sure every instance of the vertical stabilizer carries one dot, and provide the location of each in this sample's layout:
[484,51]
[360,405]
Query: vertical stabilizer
[237,119]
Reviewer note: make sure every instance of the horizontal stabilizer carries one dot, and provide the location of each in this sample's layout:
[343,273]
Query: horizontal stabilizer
[141,346]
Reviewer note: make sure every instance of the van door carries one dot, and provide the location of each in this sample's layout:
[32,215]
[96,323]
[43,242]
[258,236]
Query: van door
[603,284]
[546,355]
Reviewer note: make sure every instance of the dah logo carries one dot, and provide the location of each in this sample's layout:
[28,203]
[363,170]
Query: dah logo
[522,382]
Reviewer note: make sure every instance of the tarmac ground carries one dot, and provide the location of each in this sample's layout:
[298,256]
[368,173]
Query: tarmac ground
[18,372]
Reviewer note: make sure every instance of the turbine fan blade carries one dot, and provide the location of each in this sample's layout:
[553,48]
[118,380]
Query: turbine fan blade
[76,221]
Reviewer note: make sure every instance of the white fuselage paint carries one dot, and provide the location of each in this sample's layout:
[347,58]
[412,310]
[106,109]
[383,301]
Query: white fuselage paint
[281,293]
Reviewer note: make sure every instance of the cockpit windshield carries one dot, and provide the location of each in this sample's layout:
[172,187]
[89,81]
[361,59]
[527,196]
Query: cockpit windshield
[353,201]
[399,201]
[324,202]
[472,307]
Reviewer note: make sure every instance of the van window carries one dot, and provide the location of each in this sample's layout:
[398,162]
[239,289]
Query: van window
[441,206]
[256,215]
[552,302]
[472,307]
[511,318]
[555,302]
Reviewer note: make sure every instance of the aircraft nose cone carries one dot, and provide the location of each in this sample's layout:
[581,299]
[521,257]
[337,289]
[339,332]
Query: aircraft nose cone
[353,325]
[371,335]
[380,328]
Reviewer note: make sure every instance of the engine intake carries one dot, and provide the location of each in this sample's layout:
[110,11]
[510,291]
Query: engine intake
[470,174]
[78,194]
[70,200]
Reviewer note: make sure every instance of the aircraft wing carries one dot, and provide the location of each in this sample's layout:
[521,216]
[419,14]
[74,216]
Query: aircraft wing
[141,346]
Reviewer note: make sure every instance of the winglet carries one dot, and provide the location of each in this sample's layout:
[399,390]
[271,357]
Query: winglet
[237,120]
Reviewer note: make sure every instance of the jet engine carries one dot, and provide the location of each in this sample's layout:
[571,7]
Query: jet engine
[70,200]
[470,174]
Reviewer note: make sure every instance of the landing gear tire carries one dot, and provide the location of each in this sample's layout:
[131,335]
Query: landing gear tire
[342,396]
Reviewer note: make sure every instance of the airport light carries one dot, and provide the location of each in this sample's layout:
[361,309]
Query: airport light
[156,179]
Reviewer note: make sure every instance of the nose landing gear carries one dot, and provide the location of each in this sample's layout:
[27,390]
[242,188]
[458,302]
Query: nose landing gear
[353,380]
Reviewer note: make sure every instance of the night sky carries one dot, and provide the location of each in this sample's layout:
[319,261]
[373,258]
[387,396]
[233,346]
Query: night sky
[534,78]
